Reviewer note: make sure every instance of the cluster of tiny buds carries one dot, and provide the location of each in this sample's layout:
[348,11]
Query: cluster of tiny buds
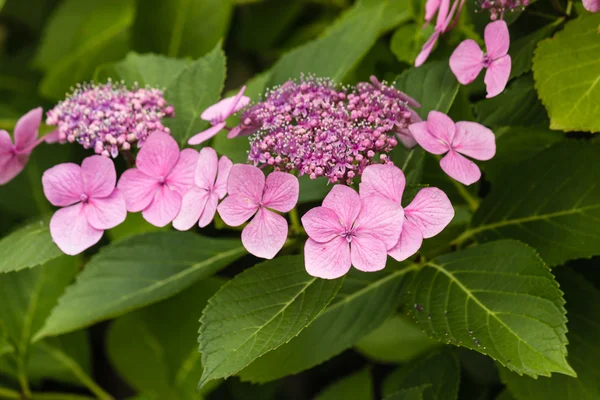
[497,8]
[109,117]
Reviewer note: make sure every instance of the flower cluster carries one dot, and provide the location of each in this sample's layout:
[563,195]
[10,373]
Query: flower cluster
[109,117]
[497,8]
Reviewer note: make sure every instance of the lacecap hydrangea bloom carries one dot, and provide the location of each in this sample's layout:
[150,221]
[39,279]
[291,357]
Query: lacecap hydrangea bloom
[110,117]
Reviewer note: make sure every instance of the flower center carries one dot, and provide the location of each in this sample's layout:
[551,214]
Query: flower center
[348,234]
[162,180]
[84,198]
[486,60]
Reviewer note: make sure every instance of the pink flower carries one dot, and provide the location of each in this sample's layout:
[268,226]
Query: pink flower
[592,5]
[426,216]
[163,175]
[200,202]
[250,194]
[467,60]
[90,200]
[218,113]
[14,157]
[440,135]
[445,16]
[347,230]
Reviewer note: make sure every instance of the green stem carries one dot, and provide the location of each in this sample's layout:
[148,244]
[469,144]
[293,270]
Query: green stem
[6,393]
[569,8]
[463,237]
[295,220]
[472,202]
[22,377]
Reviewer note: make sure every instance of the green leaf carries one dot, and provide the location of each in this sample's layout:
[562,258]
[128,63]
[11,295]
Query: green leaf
[27,247]
[521,50]
[499,299]
[135,272]
[567,75]
[407,41]
[358,386]
[437,376]
[80,36]
[396,340]
[313,189]
[411,161]
[517,105]
[134,224]
[180,28]
[546,207]
[363,303]
[154,358]
[583,305]
[414,393]
[433,85]
[258,311]
[192,91]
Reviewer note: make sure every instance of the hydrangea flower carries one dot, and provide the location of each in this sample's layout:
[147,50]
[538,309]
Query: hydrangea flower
[90,200]
[440,135]
[109,117]
[163,175]
[468,60]
[446,18]
[426,216]
[218,113]
[249,194]
[199,204]
[347,230]
[497,8]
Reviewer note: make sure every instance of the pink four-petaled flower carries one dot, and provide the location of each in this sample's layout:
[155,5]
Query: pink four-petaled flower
[90,200]
[347,230]
[163,175]
[200,202]
[467,60]
[218,113]
[249,194]
[440,135]
[592,5]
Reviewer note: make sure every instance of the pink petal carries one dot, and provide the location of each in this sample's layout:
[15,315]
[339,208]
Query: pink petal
[322,224]
[12,167]
[474,140]
[164,207]
[206,168]
[266,234]
[496,76]
[368,253]
[406,138]
[51,137]
[181,177]
[430,210]
[466,62]
[384,180]
[192,206]
[242,131]
[63,184]
[592,5]
[158,156]
[236,209]
[107,212]
[220,187]
[329,260]
[239,101]
[460,168]
[209,211]
[222,110]
[99,176]
[431,6]
[6,144]
[426,49]
[410,242]
[71,231]
[206,134]
[443,9]
[281,191]
[247,180]
[381,218]
[345,202]
[26,130]
[497,39]
[138,189]
[426,140]
[441,126]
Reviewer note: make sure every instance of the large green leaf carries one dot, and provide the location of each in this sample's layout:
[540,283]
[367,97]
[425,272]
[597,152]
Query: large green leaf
[550,201]
[258,311]
[81,35]
[583,304]
[407,41]
[499,299]
[358,386]
[567,75]
[180,28]
[28,247]
[363,303]
[192,91]
[135,272]
[154,358]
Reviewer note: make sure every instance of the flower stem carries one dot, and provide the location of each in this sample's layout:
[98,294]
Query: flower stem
[6,393]
[129,159]
[472,201]
[295,220]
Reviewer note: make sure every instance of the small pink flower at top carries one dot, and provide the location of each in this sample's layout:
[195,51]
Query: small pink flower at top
[163,175]
[14,157]
[467,60]
[446,16]
[440,135]
[90,200]
[218,113]
[200,202]
[347,230]
[426,216]
[249,194]
[592,5]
